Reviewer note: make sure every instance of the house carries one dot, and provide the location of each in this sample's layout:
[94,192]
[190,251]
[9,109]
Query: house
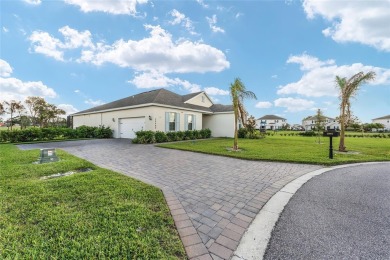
[270,122]
[309,123]
[385,120]
[159,110]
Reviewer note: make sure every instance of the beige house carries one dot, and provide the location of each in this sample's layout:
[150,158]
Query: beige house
[160,110]
[270,122]
[309,123]
[385,120]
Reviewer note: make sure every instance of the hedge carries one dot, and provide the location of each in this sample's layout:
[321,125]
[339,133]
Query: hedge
[150,137]
[46,134]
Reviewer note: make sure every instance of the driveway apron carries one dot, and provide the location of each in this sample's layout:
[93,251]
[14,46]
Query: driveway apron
[212,199]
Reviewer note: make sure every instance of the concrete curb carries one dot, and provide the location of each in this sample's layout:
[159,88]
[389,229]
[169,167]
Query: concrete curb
[254,242]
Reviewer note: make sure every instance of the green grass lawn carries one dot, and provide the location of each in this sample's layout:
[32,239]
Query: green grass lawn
[292,149]
[93,215]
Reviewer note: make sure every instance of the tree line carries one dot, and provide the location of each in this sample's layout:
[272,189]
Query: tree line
[34,111]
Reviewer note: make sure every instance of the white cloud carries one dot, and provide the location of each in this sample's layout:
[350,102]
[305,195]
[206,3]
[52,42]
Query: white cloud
[16,89]
[263,104]
[5,29]
[128,7]
[155,79]
[159,53]
[365,22]
[213,91]
[274,76]
[319,77]
[69,109]
[33,2]
[238,15]
[94,102]
[294,104]
[201,2]
[5,69]
[181,19]
[212,23]
[44,43]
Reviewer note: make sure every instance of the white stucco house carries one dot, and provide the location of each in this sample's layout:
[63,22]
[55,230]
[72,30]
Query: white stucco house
[309,123]
[270,122]
[385,120]
[160,110]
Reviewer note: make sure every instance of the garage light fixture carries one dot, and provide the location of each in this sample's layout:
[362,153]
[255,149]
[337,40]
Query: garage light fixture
[150,117]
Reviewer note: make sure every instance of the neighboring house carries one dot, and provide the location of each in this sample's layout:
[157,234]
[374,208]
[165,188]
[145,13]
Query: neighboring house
[297,127]
[385,120]
[159,110]
[270,122]
[309,123]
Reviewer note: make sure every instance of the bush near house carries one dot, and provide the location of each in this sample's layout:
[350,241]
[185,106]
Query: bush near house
[151,137]
[46,134]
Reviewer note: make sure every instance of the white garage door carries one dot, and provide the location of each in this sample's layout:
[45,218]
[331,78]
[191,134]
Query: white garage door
[128,126]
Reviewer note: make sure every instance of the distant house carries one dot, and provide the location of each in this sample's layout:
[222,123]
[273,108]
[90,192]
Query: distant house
[159,110]
[309,123]
[270,122]
[385,120]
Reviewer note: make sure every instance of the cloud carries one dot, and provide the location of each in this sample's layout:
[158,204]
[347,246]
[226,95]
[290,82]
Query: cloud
[33,2]
[274,76]
[128,7]
[158,52]
[319,76]
[212,23]
[263,104]
[94,102]
[213,91]
[294,104]
[5,69]
[44,43]
[69,109]
[5,29]
[363,22]
[201,2]
[238,15]
[181,19]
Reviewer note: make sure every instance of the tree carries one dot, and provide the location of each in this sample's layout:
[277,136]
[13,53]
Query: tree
[239,93]
[319,124]
[251,127]
[348,88]
[13,107]
[35,105]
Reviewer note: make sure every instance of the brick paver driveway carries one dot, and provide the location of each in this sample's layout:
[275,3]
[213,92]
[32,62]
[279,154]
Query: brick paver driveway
[213,199]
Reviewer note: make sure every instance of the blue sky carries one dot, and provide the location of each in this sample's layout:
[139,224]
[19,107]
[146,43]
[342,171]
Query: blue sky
[81,53]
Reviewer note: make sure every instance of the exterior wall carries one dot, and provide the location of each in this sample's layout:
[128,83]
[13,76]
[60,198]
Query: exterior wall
[329,123]
[197,100]
[157,122]
[271,124]
[385,122]
[221,125]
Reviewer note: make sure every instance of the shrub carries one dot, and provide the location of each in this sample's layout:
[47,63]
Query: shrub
[308,133]
[206,133]
[242,132]
[160,137]
[145,137]
[179,135]
[188,135]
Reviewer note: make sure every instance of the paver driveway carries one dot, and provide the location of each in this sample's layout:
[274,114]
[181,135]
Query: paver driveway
[213,199]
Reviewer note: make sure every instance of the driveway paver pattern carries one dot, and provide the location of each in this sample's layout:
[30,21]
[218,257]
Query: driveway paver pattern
[212,199]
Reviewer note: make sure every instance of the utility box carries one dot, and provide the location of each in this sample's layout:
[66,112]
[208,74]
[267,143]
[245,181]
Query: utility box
[48,155]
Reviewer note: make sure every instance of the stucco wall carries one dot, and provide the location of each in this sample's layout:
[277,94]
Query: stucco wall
[385,122]
[157,114]
[197,100]
[221,125]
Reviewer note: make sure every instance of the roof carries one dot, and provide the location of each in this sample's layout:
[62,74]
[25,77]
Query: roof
[383,117]
[315,118]
[159,96]
[271,117]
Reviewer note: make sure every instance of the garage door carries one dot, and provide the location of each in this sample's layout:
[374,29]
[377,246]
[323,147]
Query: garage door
[128,126]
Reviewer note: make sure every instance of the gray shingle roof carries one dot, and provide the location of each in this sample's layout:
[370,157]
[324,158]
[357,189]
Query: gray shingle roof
[158,96]
[271,117]
[383,117]
[218,108]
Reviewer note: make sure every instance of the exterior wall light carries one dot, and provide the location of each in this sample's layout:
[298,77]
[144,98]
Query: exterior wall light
[150,117]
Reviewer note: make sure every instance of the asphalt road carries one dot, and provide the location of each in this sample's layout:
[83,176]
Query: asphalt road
[341,214]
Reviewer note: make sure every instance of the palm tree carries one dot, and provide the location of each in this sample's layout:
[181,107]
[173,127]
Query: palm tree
[348,88]
[238,93]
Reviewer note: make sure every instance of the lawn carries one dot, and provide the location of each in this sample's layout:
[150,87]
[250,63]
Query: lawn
[99,214]
[292,149]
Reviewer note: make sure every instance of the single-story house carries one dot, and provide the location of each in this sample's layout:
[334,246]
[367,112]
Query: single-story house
[270,122]
[160,110]
[309,123]
[385,120]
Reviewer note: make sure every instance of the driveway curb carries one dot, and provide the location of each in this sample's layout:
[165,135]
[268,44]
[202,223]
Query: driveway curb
[254,242]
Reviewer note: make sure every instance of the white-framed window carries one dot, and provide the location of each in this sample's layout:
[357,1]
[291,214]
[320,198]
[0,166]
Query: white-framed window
[189,122]
[172,121]
[202,99]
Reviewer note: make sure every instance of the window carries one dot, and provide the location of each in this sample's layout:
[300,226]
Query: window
[172,121]
[202,99]
[189,123]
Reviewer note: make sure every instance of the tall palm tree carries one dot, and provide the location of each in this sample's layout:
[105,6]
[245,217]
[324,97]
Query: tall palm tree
[348,88]
[239,93]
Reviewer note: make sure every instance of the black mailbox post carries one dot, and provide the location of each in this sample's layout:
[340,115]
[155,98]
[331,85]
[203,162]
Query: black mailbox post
[331,134]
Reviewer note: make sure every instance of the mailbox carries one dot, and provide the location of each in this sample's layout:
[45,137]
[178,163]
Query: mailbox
[48,155]
[331,133]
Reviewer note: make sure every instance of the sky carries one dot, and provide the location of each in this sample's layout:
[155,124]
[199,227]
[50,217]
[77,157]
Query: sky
[78,54]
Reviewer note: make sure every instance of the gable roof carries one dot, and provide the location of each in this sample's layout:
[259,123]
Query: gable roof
[159,96]
[315,118]
[271,117]
[383,117]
